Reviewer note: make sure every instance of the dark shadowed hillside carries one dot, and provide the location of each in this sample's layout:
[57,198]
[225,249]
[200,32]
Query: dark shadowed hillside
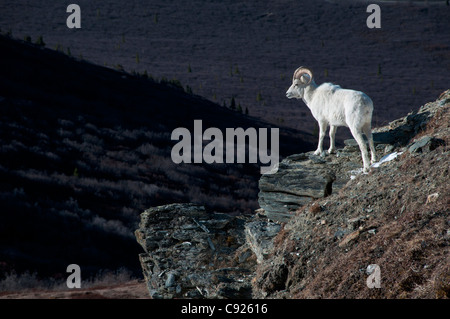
[249,49]
[84,149]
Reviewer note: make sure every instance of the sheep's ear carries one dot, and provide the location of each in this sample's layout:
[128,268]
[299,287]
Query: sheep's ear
[305,78]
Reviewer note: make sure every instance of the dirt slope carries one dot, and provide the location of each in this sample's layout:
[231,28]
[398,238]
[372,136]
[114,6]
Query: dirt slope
[130,290]
[396,217]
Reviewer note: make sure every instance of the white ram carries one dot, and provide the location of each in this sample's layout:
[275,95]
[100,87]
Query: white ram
[332,105]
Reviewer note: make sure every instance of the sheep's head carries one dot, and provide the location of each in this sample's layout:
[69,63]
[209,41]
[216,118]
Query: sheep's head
[301,79]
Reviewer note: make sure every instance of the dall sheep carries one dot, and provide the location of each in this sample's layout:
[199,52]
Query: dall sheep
[332,105]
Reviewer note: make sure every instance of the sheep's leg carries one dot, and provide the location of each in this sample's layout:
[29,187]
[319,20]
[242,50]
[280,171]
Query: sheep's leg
[322,132]
[363,147]
[368,131]
[333,129]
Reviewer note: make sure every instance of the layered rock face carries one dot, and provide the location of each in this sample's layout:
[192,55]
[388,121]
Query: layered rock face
[303,178]
[192,253]
[299,179]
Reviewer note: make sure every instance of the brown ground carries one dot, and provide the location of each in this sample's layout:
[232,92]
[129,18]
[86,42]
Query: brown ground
[135,289]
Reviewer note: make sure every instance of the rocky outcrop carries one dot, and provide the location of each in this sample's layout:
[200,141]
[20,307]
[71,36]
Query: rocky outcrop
[329,224]
[394,218]
[303,178]
[192,253]
[299,179]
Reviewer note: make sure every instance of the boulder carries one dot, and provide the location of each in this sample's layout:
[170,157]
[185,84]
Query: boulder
[300,178]
[193,253]
[259,236]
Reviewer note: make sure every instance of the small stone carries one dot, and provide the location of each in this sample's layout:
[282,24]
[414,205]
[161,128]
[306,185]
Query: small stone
[355,223]
[350,237]
[417,146]
[425,144]
[244,256]
[178,289]
[389,149]
[259,236]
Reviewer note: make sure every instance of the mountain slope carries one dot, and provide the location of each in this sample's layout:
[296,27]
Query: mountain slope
[249,49]
[396,217]
[84,149]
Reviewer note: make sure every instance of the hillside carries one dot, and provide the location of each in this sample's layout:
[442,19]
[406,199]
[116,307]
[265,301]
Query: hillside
[396,217]
[84,149]
[249,49]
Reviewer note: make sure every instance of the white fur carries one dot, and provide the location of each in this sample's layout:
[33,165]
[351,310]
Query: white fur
[332,105]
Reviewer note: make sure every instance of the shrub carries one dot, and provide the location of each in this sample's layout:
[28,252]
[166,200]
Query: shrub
[40,41]
[233,104]
[259,97]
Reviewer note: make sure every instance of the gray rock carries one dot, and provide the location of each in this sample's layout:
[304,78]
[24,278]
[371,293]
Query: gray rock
[185,246]
[378,138]
[340,233]
[259,235]
[425,144]
[299,179]
[244,255]
[356,222]
[417,146]
[401,131]
[170,281]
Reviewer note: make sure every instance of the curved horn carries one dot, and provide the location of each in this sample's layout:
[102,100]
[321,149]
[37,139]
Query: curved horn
[300,71]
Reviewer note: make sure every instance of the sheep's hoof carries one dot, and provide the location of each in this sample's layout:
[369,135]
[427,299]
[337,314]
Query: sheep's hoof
[331,151]
[317,152]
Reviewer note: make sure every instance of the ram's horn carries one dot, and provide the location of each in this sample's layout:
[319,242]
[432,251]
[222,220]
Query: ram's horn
[300,71]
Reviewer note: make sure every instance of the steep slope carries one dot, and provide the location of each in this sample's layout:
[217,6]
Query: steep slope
[84,149]
[395,217]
